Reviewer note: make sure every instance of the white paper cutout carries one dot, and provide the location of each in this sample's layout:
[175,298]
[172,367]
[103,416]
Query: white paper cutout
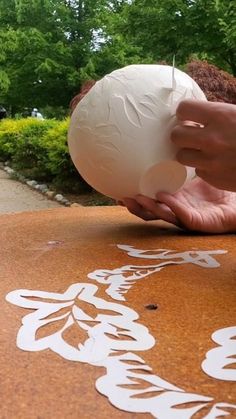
[120,280]
[218,412]
[99,345]
[224,355]
[97,348]
[163,399]
[161,405]
[199,257]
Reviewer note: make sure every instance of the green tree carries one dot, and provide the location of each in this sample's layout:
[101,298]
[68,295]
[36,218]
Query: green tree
[7,45]
[49,47]
[204,28]
[113,48]
[52,40]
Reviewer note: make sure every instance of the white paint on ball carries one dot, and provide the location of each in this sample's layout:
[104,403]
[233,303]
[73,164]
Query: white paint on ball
[119,132]
[119,137]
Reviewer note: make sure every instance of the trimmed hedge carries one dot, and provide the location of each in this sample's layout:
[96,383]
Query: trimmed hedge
[38,150]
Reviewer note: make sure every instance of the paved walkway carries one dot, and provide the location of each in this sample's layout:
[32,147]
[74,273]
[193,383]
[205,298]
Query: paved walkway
[17,197]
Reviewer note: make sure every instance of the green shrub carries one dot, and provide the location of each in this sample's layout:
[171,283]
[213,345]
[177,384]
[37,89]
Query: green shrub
[9,134]
[30,155]
[55,141]
[59,163]
[38,149]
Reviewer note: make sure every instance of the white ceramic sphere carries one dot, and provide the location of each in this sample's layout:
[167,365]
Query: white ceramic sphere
[119,136]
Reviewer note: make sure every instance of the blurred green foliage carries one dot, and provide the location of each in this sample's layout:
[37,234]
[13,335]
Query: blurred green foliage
[49,47]
[38,150]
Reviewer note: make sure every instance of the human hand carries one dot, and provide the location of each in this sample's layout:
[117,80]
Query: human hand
[210,145]
[197,207]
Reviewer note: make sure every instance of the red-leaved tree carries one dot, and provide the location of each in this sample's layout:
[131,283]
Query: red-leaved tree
[218,85]
[86,86]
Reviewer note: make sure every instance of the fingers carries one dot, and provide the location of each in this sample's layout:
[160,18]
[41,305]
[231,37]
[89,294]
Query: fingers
[197,137]
[186,136]
[149,210]
[181,211]
[136,209]
[216,180]
[204,175]
[193,158]
[158,210]
[194,110]
[204,112]
[199,146]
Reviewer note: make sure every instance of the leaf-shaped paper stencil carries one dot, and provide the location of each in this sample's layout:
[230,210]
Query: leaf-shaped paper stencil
[111,329]
[120,280]
[99,343]
[166,401]
[220,361]
[220,410]
[198,257]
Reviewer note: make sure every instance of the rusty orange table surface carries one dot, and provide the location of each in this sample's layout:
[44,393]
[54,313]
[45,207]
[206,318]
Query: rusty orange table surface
[53,249]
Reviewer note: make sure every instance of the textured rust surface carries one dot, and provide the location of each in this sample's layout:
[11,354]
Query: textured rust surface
[192,302]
